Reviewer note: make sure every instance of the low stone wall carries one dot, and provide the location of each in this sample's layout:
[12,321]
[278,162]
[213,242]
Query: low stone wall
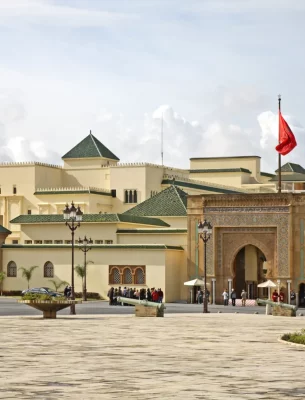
[146,311]
[279,311]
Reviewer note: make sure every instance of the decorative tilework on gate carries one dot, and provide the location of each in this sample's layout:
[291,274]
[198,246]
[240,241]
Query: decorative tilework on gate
[223,217]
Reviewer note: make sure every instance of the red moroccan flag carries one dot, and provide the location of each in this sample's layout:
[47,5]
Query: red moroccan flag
[287,140]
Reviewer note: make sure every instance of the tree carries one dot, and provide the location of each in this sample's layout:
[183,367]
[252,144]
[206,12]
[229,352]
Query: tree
[27,273]
[2,277]
[57,285]
[80,271]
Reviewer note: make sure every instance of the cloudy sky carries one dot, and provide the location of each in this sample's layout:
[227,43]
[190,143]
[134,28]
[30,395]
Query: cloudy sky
[211,68]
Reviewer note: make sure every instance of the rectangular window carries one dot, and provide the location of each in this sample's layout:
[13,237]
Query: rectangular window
[14,189]
[37,241]
[99,241]
[130,196]
[14,241]
[29,212]
[48,241]
[108,241]
[68,241]
[0,189]
[28,242]
[58,241]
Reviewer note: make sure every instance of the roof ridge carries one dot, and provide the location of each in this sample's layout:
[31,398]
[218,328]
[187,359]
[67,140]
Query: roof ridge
[175,187]
[96,146]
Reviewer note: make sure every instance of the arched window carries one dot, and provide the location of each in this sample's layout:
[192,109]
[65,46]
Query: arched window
[126,196]
[139,277]
[135,196]
[11,269]
[48,270]
[130,200]
[127,277]
[115,276]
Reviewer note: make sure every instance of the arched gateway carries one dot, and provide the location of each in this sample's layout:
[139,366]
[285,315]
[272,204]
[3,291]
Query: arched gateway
[251,233]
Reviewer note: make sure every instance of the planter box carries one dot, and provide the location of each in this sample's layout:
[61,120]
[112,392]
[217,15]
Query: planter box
[49,307]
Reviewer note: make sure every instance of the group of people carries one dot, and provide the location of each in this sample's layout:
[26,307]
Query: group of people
[200,296]
[153,294]
[233,296]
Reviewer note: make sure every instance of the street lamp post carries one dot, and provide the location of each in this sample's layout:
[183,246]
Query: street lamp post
[85,246]
[72,217]
[205,232]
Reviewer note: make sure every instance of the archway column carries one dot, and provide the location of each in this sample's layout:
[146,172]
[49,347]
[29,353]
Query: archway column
[230,286]
[214,289]
[288,290]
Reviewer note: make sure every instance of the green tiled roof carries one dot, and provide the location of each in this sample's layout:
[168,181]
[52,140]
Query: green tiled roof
[170,202]
[4,230]
[98,246]
[90,147]
[267,174]
[197,171]
[154,231]
[200,187]
[291,167]
[58,218]
[289,178]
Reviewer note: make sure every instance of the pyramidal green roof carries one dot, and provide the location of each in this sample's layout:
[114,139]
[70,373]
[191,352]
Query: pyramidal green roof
[292,167]
[4,230]
[90,147]
[170,202]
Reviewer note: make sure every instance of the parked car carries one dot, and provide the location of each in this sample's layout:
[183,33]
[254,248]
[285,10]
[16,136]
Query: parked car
[42,290]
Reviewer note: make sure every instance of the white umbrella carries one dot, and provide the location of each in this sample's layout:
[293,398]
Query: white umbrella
[268,284]
[195,282]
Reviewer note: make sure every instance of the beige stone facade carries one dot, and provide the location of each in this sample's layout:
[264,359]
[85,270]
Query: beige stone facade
[161,241]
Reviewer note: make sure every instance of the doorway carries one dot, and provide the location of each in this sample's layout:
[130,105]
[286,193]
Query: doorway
[302,295]
[248,271]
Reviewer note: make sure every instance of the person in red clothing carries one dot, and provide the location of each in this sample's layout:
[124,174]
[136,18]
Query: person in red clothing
[155,296]
[281,296]
[275,296]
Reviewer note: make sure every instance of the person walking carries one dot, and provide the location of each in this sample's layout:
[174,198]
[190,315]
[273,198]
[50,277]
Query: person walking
[243,298]
[233,297]
[225,296]
[292,297]
[200,296]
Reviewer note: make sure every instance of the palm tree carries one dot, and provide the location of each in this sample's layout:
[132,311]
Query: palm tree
[27,273]
[2,277]
[80,271]
[57,285]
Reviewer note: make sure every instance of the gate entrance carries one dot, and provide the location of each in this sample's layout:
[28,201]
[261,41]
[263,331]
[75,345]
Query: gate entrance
[248,270]
[302,295]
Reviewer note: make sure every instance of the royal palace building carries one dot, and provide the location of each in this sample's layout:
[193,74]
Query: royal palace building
[142,219]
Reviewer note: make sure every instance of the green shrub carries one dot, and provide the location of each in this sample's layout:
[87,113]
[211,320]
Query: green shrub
[42,297]
[296,337]
[12,292]
[90,295]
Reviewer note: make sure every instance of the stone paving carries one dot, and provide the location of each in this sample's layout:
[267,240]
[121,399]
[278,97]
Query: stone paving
[185,356]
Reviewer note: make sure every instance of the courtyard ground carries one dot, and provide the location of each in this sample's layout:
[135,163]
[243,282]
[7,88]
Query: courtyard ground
[185,356]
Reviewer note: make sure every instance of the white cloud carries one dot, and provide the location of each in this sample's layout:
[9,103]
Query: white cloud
[41,12]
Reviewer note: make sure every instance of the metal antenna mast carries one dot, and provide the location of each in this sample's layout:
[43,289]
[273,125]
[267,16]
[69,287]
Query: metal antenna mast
[162,139]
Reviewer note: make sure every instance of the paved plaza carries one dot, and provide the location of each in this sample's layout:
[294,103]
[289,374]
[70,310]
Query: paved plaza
[185,356]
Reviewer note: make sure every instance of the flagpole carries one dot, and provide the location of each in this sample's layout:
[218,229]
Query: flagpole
[279,167]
